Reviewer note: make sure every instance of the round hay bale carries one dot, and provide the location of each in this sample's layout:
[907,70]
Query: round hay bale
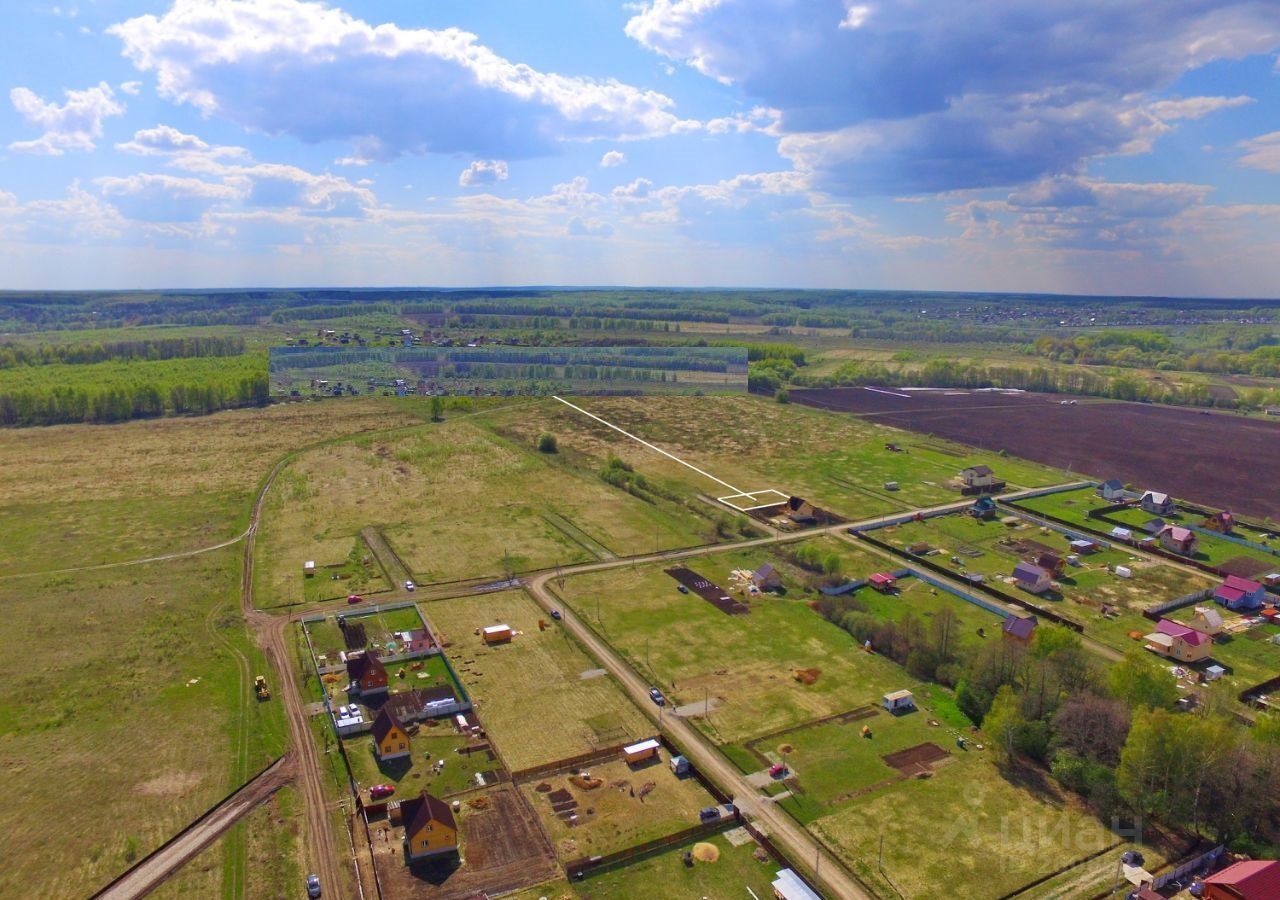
[784,749]
[706,852]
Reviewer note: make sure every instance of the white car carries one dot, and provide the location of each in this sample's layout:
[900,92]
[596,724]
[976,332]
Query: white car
[409,585]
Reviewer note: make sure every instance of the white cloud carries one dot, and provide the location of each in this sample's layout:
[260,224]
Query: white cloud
[388,90]
[162,140]
[75,125]
[132,88]
[903,99]
[1262,152]
[483,171]
[612,158]
[580,227]
[151,197]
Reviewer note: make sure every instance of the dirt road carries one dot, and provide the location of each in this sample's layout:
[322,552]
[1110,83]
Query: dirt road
[154,869]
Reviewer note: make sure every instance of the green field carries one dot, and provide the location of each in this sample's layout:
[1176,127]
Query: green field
[530,694]
[666,875]
[745,663]
[838,462]
[414,773]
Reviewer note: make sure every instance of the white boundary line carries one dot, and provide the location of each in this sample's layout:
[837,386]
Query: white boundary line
[651,446]
[754,496]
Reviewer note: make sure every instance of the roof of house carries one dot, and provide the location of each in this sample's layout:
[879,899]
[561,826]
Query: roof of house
[1187,633]
[1019,626]
[1255,879]
[1211,617]
[1177,533]
[1156,497]
[763,573]
[496,629]
[1241,584]
[383,724]
[360,666]
[419,811]
[984,503]
[1153,525]
[642,746]
[1113,484]
[897,695]
[1231,595]
[788,886]
[881,578]
[1025,571]
[1048,561]
[979,470]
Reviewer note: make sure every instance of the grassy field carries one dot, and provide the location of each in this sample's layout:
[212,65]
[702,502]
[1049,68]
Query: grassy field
[666,875]
[1082,590]
[839,462]
[380,627]
[614,815]
[746,663]
[530,693]
[456,501]
[415,773]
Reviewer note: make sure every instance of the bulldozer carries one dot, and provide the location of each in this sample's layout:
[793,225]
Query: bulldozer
[260,688]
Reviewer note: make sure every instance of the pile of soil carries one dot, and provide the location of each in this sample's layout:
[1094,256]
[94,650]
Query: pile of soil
[806,676]
[543,788]
[585,782]
[784,749]
[478,803]
[644,791]
[708,853]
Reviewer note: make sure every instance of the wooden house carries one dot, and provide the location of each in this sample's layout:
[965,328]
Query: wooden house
[497,634]
[1050,562]
[429,827]
[766,577]
[980,480]
[1032,578]
[641,751]
[1177,539]
[1208,620]
[367,674]
[390,740]
[1157,503]
[1019,629]
[1222,522]
[1179,642]
[1254,879]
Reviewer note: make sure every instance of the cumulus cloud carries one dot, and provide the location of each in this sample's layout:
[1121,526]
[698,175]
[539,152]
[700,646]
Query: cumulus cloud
[580,227]
[74,125]
[388,90]
[890,97]
[164,198]
[483,171]
[162,140]
[132,88]
[612,158]
[1262,152]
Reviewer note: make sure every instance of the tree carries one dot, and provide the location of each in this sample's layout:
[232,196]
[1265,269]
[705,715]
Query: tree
[1004,723]
[1141,683]
[1092,727]
[437,409]
[547,444]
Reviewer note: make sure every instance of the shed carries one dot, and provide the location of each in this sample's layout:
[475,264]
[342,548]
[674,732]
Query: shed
[1080,545]
[766,577]
[1121,534]
[497,634]
[1020,629]
[309,567]
[789,886]
[1124,572]
[895,701]
[882,582]
[640,751]
[1111,489]
[680,765]
[983,508]
[1213,673]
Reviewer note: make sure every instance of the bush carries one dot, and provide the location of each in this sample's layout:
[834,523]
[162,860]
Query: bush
[547,444]
[782,396]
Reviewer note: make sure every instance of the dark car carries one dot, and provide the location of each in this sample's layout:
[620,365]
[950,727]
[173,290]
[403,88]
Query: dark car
[656,696]
[313,885]
[682,589]
[555,614]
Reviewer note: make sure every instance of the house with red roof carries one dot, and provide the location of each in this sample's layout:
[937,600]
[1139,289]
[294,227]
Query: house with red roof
[1238,594]
[882,582]
[1174,640]
[1255,879]
[1177,539]
[367,673]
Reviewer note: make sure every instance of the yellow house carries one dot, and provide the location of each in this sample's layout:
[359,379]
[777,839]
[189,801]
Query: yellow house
[429,827]
[390,740]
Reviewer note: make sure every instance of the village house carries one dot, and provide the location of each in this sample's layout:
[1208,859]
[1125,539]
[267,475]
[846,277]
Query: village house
[1240,594]
[1157,503]
[1222,522]
[882,582]
[1032,578]
[429,827]
[801,511]
[1208,620]
[367,674]
[390,740]
[1112,489]
[1019,629]
[1179,642]
[980,478]
[1254,879]
[766,578]
[983,508]
[497,634]
[1050,562]
[1177,539]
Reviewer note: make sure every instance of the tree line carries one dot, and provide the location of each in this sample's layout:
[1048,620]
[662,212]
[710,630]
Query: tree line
[15,354]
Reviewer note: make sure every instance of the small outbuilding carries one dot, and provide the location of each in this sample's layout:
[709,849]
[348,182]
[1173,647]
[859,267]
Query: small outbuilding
[882,582]
[766,578]
[983,508]
[790,886]
[497,634]
[1121,534]
[679,765]
[641,751]
[1111,489]
[899,701]
[309,567]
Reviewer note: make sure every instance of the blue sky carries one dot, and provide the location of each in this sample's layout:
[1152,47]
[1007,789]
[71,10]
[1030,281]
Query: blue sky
[1096,146]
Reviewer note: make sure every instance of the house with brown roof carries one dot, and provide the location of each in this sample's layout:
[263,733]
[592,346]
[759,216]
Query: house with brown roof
[1177,539]
[390,740]
[429,827]
[1019,629]
[367,674]
[1222,522]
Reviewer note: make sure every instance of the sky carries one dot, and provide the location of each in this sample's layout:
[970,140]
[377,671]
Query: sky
[1075,146]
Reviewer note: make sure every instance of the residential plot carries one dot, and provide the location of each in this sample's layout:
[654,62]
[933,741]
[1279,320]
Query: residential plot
[455,501]
[725,874]
[615,805]
[434,741]
[746,665]
[838,463]
[539,696]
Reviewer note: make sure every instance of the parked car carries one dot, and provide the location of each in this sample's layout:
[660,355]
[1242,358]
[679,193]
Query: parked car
[656,696]
[378,791]
[709,814]
[313,885]
[555,614]
[354,598]
[682,589]
[409,585]
[778,770]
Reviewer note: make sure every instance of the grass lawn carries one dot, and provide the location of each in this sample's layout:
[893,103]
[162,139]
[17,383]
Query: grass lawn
[609,817]
[666,875]
[380,627]
[456,501]
[415,773]
[837,461]
[530,694]
[966,827]
[358,573]
[747,662]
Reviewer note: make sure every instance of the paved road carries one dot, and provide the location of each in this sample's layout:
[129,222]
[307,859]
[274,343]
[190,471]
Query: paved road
[149,873]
